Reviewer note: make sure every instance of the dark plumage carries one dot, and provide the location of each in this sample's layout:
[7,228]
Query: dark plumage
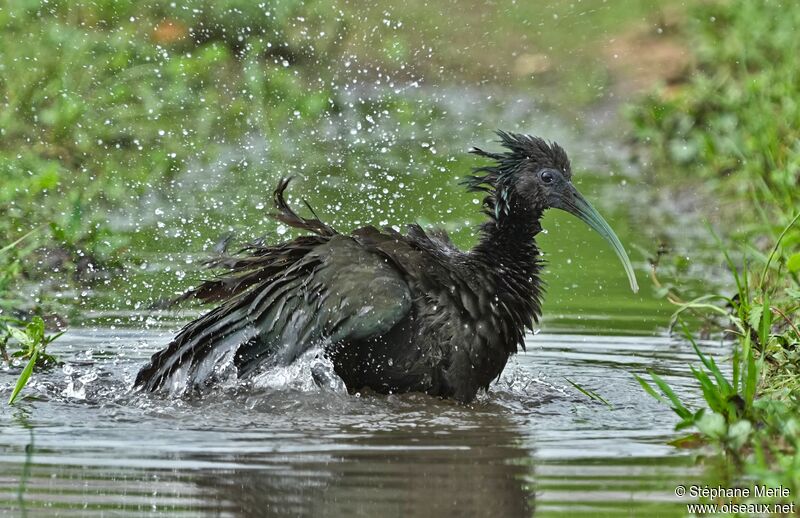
[393,312]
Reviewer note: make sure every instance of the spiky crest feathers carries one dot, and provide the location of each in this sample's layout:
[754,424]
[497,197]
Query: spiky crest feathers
[498,180]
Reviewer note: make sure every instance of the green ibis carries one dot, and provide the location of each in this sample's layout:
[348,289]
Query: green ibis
[391,312]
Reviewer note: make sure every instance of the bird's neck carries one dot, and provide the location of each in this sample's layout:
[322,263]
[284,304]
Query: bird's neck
[508,241]
[507,248]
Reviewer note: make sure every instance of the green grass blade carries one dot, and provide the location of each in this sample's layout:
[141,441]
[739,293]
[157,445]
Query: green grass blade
[709,363]
[677,406]
[24,376]
[731,266]
[699,304]
[744,303]
[751,374]
[18,241]
[766,323]
[711,392]
[737,366]
[649,389]
[775,248]
[53,338]
[589,393]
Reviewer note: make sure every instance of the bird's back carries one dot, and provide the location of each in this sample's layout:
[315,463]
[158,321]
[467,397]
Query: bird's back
[394,313]
[461,325]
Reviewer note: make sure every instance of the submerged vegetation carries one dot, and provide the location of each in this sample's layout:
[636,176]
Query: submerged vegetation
[734,126]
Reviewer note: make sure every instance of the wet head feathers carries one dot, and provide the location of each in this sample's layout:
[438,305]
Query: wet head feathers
[525,154]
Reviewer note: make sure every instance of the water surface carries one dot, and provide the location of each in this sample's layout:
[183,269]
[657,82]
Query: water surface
[87,445]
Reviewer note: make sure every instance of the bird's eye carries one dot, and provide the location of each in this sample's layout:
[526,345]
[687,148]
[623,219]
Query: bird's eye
[546,177]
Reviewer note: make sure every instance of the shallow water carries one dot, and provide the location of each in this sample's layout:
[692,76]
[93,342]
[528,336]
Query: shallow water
[90,446]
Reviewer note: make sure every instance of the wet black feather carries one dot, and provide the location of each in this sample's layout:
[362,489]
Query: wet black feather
[393,312]
[497,180]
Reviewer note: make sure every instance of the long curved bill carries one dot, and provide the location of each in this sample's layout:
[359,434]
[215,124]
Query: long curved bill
[574,203]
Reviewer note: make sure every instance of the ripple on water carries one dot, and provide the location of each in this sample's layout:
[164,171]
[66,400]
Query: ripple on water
[88,444]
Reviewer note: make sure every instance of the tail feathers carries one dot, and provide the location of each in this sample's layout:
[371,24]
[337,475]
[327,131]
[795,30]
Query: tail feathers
[258,262]
[286,215]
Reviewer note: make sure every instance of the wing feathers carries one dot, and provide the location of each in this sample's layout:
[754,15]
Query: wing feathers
[277,301]
[337,291]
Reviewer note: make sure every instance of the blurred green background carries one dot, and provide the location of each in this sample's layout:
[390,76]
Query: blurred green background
[136,137]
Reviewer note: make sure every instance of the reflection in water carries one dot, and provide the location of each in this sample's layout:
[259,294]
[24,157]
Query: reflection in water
[473,466]
[21,419]
[102,450]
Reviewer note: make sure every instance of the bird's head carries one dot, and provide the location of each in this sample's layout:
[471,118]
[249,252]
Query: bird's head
[534,175]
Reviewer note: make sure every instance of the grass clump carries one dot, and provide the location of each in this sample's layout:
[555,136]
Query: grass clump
[735,125]
[753,403]
[107,101]
[32,349]
[29,336]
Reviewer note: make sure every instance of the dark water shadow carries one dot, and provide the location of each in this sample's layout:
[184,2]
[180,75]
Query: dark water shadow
[473,465]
